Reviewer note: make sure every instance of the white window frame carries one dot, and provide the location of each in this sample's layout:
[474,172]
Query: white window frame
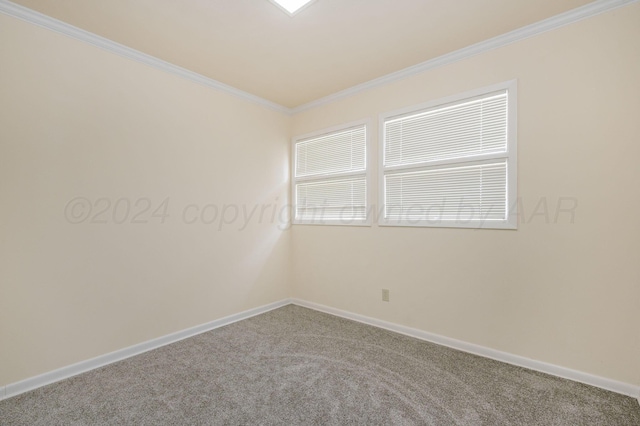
[511,221]
[367,173]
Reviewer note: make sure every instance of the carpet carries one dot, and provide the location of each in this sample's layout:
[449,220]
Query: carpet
[296,366]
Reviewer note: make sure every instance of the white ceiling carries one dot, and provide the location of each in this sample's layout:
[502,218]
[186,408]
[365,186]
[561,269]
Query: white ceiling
[329,46]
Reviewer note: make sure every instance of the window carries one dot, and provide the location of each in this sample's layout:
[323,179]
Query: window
[330,177]
[451,163]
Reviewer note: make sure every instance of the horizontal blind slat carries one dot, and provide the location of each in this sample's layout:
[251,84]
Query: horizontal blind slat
[339,152]
[475,192]
[454,131]
[343,200]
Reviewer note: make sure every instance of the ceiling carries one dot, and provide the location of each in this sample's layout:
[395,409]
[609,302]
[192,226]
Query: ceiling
[329,46]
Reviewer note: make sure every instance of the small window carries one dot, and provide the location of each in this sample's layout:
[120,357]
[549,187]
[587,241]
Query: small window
[451,163]
[330,177]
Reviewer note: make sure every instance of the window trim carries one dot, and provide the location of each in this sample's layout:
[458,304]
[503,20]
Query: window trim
[511,221]
[367,173]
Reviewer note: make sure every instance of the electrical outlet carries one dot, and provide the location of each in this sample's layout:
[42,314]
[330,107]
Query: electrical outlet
[385,295]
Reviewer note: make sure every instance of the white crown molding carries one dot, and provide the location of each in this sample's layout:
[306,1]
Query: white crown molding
[595,8]
[44,21]
[520,361]
[555,22]
[102,360]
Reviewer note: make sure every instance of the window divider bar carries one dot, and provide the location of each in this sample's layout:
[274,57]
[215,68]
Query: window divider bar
[331,176]
[460,161]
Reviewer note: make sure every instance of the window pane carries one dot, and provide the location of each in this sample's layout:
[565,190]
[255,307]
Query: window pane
[339,152]
[336,200]
[462,193]
[454,131]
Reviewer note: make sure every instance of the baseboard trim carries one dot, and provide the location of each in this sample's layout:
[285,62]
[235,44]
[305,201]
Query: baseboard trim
[32,383]
[520,361]
[119,355]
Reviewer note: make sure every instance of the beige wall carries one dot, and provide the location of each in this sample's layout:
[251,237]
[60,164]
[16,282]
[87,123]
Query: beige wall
[78,121]
[565,293]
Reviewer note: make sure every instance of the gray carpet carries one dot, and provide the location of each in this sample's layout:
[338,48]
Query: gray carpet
[297,366]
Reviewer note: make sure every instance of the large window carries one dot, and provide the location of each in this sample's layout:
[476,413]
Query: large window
[330,176]
[451,163]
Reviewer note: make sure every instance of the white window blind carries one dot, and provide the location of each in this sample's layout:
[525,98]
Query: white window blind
[469,128]
[455,193]
[332,200]
[452,163]
[330,177]
[333,153]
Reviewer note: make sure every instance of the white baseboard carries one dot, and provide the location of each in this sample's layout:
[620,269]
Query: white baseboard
[102,360]
[554,370]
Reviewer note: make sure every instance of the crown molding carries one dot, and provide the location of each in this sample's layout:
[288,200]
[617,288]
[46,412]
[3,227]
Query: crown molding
[44,21]
[592,9]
